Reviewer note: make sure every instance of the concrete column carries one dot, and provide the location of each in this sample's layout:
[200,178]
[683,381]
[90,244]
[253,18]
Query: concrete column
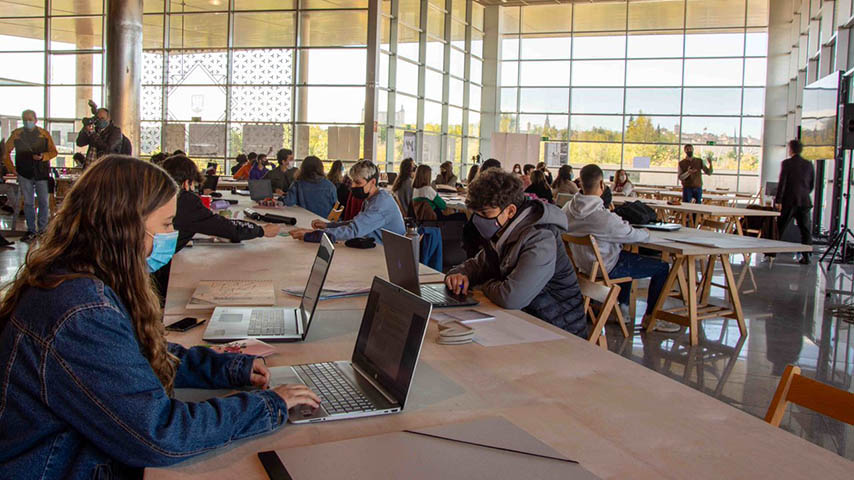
[776,90]
[371,79]
[489,103]
[124,61]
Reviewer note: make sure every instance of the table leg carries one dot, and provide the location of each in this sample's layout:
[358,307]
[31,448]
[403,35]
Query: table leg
[732,288]
[692,300]
[675,269]
[706,285]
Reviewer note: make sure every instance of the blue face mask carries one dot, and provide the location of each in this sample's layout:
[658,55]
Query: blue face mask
[162,250]
[29,125]
[102,124]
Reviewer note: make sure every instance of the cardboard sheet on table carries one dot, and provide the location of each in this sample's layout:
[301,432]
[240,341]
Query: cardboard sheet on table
[413,456]
[508,329]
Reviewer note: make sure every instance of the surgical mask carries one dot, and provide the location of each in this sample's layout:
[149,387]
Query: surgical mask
[487,227]
[162,250]
[102,124]
[29,124]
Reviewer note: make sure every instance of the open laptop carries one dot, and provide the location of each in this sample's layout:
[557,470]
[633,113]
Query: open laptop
[378,377]
[260,190]
[274,323]
[401,259]
[211,183]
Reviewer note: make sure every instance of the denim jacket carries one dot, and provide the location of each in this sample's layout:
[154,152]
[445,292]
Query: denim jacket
[79,400]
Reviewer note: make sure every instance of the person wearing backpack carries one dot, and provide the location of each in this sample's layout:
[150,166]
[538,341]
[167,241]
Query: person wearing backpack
[586,215]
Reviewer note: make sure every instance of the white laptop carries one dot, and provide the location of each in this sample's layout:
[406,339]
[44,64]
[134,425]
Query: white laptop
[378,377]
[274,323]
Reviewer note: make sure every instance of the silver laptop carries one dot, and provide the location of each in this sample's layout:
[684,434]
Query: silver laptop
[260,190]
[401,259]
[274,323]
[378,377]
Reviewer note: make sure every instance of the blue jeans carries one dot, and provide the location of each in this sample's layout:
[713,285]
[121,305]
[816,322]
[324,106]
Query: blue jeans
[636,266]
[689,194]
[29,189]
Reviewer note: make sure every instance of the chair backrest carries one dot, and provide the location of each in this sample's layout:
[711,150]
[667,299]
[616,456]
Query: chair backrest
[335,213]
[399,205]
[715,226]
[607,298]
[598,267]
[809,393]
[562,198]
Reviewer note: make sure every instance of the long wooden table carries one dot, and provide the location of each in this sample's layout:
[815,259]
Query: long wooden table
[619,419]
[685,247]
[685,211]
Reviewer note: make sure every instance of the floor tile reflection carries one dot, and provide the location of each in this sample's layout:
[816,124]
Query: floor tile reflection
[788,322]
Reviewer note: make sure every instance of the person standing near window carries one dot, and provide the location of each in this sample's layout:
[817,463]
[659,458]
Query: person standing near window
[794,190]
[691,171]
[34,149]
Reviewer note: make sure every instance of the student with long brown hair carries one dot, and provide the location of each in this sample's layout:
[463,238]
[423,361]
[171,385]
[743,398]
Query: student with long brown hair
[83,350]
[422,191]
[402,186]
[311,189]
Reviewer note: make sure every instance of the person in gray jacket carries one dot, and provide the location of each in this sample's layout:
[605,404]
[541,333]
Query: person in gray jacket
[523,264]
[586,215]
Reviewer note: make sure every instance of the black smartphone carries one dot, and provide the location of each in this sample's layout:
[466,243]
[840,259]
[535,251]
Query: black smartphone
[185,324]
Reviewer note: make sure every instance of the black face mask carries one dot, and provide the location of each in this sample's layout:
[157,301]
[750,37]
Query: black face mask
[359,192]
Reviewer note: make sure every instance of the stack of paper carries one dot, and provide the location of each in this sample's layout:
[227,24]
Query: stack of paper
[332,292]
[215,293]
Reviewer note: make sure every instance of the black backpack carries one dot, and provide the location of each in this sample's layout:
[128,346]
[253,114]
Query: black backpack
[636,213]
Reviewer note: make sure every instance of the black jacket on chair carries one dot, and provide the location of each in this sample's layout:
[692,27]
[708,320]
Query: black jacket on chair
[797,179]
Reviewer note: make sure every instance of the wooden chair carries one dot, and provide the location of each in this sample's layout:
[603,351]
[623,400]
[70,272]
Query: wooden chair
[562,198]
[809,393]
[399,204]
[605,296]
[599,275]
[335,213]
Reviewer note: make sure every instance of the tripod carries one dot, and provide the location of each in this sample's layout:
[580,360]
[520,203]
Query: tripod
[841,237]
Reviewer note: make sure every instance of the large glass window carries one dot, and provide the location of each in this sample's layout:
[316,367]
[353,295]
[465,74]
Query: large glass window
[645,77]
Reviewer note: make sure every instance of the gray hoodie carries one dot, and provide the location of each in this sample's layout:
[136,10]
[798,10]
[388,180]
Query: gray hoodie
[586,215]
[527,268]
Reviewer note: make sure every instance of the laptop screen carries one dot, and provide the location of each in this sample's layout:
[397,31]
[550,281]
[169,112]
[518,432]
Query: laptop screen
[260,189]
[401,260]
[314,286]
[390,337]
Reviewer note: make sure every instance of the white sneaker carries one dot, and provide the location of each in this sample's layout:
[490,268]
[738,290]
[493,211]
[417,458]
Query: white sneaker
[666,327]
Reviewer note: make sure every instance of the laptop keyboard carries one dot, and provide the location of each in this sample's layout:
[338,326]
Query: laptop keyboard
[266,322]
[437,297]
[337,394]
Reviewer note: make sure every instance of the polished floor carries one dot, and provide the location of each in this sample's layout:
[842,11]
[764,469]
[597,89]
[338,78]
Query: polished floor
[788,322]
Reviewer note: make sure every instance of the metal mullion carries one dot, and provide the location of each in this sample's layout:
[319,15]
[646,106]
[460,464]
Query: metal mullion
[741,107]
[625,81]
[569,113]
[444,123]
[164,104]
[391,99]
[229,58]
[422,61]
[47,25]
[294,65]
[682,86]
[464,133]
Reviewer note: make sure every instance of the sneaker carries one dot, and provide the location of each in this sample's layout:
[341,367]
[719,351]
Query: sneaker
[5,243]
[664,326]
[29,237]
[805,260]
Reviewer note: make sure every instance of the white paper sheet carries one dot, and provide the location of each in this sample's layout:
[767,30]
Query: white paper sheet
[508,329]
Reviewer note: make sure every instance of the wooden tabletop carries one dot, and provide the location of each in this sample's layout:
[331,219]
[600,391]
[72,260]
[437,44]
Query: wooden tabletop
[692,241]
[701,208]
[618,418]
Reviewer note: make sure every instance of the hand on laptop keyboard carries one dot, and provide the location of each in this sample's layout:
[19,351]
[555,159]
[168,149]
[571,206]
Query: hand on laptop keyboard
[295,394]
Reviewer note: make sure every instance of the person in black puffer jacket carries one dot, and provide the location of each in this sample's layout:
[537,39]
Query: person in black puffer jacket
[524,264]
[192,217]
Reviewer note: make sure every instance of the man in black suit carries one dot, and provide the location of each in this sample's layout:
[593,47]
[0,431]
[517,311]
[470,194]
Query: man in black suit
[794,194]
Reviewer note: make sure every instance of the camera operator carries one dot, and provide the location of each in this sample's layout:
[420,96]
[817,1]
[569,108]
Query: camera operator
[100,135]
